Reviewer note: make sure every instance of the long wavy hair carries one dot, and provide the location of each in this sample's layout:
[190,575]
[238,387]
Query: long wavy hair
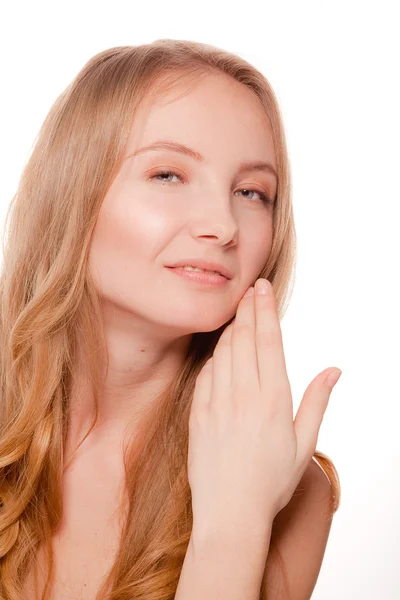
[47,296]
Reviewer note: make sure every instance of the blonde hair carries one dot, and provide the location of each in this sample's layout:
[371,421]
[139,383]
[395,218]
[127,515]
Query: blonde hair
[47,295]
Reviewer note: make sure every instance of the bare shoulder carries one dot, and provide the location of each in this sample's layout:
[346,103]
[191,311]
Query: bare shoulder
[301,531]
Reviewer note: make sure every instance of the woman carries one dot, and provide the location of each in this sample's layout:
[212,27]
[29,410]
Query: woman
[147,435]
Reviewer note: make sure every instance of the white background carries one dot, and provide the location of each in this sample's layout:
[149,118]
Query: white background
[335,69]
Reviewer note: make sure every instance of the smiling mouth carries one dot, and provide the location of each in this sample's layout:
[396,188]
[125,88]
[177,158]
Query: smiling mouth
[197,270]
[200,276]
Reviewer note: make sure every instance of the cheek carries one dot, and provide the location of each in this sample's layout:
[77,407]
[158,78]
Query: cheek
[255,249]
[127,239]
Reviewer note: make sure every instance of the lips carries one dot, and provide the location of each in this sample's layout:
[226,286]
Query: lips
[192,270]
[203,264]
[200,277]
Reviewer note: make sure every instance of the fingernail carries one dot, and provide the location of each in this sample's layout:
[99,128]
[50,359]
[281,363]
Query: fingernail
[262,286]
[249,292]
[333,377]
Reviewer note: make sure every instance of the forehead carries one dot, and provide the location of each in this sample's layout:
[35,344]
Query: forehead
[212,113]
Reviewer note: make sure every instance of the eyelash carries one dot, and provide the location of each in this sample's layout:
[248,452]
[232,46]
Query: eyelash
[265,199]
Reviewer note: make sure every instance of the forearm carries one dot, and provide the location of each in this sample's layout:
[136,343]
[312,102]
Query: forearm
[224,567]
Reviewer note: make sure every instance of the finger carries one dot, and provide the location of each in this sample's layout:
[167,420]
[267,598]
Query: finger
[243,347]
[270,354]
[202,391]
[222,371]
[309,417]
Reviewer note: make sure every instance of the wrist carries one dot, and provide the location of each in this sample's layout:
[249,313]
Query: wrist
[223,535]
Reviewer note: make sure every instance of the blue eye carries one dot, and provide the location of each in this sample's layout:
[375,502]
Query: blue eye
[264,198]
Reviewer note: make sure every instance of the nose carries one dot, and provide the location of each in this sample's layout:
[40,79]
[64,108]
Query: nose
[216,222]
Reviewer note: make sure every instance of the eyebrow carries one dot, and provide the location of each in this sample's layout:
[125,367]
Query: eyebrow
[256,165]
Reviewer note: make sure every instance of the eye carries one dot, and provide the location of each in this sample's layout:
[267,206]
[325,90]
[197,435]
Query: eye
[168,174]
[263,197]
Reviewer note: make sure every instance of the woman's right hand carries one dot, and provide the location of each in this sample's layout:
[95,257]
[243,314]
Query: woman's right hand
[246,454]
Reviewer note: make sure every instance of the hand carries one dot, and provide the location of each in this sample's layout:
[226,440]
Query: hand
[246,455]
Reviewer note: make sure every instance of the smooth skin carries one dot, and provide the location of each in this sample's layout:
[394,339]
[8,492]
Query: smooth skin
[246,454]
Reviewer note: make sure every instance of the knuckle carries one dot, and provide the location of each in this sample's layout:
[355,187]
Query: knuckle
[224,337]
[273,409]
[243,330]
[278,389]
[223,342]
[272,412]
[239,391]
[270,337]
[221,351]
[242,392]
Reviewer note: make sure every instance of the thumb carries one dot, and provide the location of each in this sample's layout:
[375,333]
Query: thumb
[311,412]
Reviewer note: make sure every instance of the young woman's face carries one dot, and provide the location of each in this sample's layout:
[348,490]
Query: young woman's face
[211,209]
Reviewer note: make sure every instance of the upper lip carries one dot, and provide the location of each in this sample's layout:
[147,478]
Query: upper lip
[203,264]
